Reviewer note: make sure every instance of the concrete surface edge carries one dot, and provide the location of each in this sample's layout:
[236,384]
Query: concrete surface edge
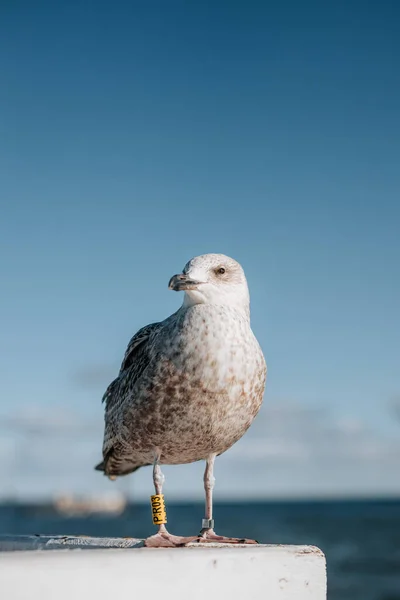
[264,571]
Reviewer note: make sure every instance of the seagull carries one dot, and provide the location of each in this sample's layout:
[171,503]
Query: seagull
[189,387]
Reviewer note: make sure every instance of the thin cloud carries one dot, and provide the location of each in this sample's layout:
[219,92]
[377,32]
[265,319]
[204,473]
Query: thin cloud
[291,450]
[46,422]
[94,376]
[394,406]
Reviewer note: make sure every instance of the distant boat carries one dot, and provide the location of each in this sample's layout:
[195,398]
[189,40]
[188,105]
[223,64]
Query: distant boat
[70,505]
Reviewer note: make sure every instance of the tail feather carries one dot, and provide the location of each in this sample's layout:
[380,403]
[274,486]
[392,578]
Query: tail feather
[113,473]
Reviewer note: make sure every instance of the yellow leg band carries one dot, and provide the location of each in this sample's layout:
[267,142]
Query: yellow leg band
[158,511]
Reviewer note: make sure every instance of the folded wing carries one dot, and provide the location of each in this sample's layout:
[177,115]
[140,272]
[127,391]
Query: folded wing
[135,361]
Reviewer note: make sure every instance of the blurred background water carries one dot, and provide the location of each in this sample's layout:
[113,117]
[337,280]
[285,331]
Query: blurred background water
[135,135]
[361,539]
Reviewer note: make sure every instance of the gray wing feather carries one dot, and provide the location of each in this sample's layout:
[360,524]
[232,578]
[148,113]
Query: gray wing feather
[135,360]
[139,340]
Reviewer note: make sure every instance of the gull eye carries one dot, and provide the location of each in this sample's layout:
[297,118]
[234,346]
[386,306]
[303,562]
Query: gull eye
[221,271]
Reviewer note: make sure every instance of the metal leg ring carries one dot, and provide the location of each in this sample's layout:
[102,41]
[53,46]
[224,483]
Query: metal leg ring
[207,524]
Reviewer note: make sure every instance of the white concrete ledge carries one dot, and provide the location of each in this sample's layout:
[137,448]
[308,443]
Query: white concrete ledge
[198,573]
[10,543]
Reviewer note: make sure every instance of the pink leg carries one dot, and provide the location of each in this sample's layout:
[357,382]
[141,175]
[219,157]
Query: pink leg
[164,539]
[207,534]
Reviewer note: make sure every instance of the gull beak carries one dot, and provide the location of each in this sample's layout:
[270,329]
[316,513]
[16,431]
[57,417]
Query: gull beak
[182,283]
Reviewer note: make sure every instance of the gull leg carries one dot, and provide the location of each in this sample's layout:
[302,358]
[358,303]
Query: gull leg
[207,534]
[162,539]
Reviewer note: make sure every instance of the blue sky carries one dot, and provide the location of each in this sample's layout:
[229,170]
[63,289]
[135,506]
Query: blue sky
[134,136]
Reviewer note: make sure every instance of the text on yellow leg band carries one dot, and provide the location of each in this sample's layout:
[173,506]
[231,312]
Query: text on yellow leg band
[158,511]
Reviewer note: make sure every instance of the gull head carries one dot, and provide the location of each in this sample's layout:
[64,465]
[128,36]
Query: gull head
[213,279]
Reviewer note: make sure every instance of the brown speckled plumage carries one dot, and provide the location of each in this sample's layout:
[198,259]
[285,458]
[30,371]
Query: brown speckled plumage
[190,386]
